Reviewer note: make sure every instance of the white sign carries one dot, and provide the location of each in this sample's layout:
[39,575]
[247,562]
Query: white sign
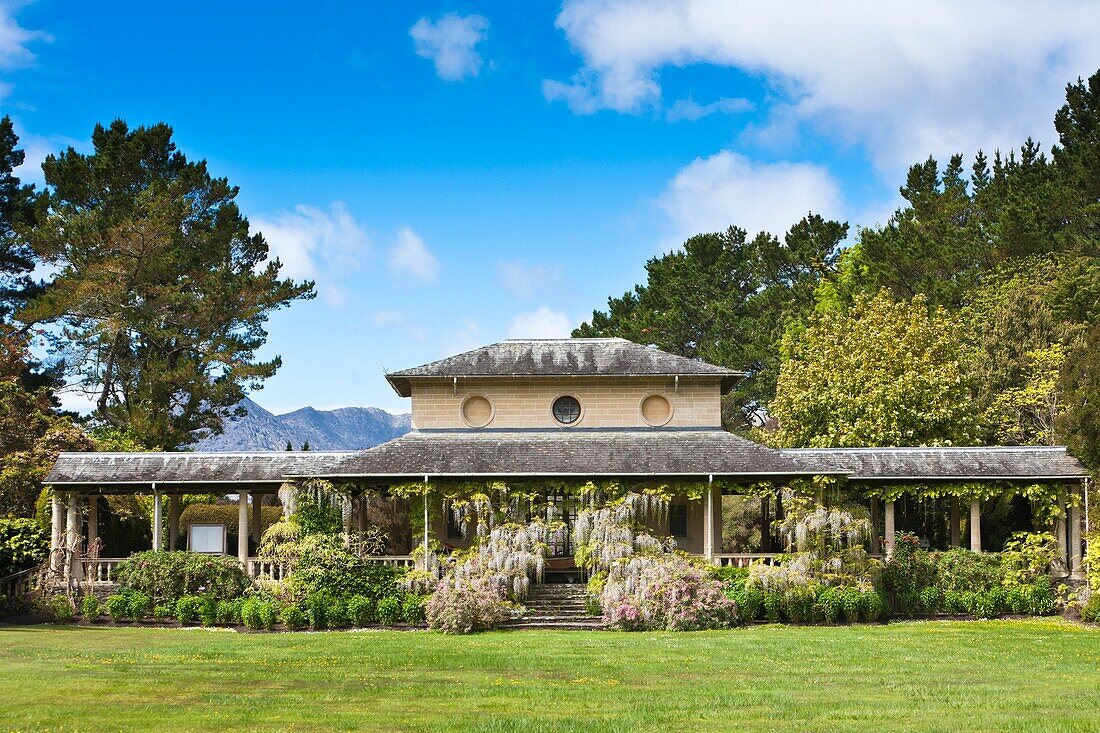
[209,538]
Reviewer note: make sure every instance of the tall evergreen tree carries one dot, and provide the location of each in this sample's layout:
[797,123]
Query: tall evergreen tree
[17,259]
[161,292]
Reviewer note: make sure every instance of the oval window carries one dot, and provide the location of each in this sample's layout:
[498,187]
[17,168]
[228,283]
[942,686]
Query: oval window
[567,410]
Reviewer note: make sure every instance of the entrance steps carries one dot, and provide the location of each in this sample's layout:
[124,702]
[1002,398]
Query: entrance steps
[556,606]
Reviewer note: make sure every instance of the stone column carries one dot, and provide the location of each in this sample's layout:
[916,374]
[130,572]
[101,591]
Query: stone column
[955,520]
[874,545]
[362,506]
[888,531]
[976,526]
[173,521]
[257,518]
[708,523]
[1059,531]
[242,527]
[93,519]
[1076,555]
[57,532]
[158,521]
[765,524]
[74,523]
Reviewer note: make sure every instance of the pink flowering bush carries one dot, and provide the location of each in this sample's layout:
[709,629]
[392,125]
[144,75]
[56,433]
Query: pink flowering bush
[463,610]
[667,591]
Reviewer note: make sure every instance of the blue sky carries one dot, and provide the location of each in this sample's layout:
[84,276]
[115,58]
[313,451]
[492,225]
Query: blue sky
[455,173]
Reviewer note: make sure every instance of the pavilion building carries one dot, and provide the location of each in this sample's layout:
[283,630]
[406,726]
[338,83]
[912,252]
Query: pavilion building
[546,410]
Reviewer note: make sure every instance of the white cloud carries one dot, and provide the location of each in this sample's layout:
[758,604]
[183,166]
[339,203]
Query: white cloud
[545,323]
[14,40]
[397,320]
[523,280]
[710,194]
[450,43]
[905,79]
[411,256]
[316,245]
[689,109]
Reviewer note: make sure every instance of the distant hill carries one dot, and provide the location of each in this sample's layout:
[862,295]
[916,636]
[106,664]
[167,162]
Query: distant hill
[347,428]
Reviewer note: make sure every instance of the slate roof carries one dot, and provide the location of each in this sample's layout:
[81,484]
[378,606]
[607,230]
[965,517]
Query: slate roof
[574,452]
[562,357]
[188,468]
[1009,463]
[577,452]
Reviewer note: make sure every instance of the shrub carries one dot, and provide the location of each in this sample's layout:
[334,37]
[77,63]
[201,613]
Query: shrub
[163,611]
[873,605]
[931,599]
[1027,557]
[964,570]
[118,607]
[1091,610]
[389,610]
[799,602]
[89,607]
[954,601]
[326,565]
[23,544]
[208,611]
[980,604]
[1018,600]
[360,610]
[829,604]
[750,605]
[773,606]
[294,617]
[664,591]
[462,611]
[318,606]
[851,600]
[250,614]
[187,609]
[139,605]
[168,576]
[412,608]
[1041,600]
[269,614]
[338,615]
[229,612]
[61,609]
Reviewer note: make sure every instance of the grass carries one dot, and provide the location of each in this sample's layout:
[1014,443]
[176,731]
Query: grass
[1036,675]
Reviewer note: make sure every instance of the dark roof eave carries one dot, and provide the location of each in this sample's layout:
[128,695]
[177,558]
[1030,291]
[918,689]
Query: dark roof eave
[402,384]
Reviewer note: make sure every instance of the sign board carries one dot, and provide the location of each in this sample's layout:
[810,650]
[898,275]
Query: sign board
[208,538]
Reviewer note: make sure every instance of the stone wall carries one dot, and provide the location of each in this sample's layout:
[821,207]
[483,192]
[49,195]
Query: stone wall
[526,402]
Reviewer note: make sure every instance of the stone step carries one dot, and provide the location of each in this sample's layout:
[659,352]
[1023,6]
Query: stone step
[566,625]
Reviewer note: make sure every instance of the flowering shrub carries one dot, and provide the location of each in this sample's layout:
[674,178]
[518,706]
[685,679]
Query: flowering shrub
[664,592]
[167,576]
[462,610]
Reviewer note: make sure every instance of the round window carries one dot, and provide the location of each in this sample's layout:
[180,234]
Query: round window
[656,410]
[476,411]
[567,410]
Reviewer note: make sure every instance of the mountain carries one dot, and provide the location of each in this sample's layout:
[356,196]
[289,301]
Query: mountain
[347,428]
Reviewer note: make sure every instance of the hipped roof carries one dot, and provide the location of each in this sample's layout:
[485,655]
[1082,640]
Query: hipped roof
[595,357]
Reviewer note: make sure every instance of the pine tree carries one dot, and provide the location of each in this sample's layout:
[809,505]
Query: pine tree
[161,292]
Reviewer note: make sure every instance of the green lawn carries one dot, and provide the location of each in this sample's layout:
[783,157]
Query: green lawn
[1040,675]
